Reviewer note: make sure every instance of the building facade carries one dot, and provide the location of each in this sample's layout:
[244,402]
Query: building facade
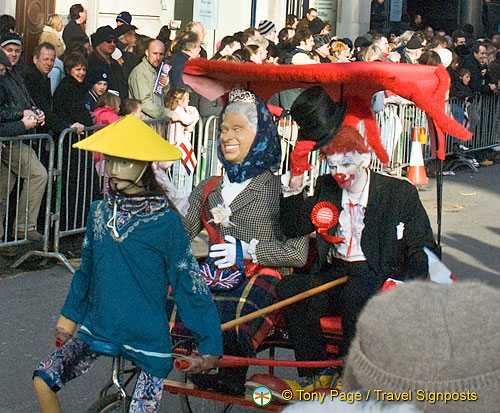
[349,18]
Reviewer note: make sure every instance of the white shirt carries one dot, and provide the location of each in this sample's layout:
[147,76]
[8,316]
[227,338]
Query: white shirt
[351,224]
[230,190]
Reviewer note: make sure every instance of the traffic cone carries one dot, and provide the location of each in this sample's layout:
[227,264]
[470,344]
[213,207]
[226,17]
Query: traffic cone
[416,171]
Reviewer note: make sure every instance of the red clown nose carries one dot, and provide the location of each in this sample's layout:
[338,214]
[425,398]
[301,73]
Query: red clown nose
[340,177]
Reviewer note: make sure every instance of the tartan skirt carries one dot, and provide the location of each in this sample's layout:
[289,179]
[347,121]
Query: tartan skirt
[254,293]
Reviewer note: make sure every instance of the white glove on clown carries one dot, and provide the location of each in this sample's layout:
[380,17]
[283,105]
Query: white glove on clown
[227,252]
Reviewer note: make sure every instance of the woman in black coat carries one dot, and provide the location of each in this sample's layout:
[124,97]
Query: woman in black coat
[78,173]
[69,97]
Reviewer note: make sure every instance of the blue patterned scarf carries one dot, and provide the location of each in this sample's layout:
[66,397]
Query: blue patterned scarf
[264,154]
[130,206]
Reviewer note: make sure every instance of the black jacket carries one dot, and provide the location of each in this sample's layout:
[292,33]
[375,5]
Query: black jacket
[14,98]
[38,87]
[13,128]
[377,16]
[477,82]
[390,202]
[117,80]
[72,29]
[177,61]
[69,102]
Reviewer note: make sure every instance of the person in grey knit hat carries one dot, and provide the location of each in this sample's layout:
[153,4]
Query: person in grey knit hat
[267,29]
[440,344]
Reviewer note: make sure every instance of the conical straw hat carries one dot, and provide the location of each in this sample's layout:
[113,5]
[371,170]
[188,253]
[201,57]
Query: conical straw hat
[130,138]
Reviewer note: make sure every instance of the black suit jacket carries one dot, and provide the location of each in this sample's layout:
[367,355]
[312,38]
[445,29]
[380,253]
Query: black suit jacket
[72,29]
[39,89]
[390,201]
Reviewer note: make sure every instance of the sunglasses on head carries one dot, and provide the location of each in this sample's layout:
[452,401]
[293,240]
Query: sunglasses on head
[111,41]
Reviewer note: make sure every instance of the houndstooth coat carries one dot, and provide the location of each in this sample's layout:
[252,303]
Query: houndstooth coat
[255,213]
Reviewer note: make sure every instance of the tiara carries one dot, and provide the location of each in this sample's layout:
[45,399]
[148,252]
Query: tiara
[241,95]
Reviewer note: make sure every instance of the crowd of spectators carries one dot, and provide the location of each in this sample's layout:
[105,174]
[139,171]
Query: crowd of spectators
[71,76]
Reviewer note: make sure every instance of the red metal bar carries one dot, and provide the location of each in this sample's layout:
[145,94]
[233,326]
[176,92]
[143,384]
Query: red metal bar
[234,361]
[187,389]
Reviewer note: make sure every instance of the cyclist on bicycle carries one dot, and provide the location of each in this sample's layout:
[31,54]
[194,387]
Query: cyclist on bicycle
[135,253]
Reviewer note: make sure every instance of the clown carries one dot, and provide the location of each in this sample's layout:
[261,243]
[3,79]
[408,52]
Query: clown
[135,253]
[369,227]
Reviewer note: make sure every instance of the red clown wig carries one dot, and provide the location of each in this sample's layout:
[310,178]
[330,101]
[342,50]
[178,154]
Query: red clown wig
[347,139]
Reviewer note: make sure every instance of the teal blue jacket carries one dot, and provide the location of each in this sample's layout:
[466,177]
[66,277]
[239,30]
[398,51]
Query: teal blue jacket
[119,292]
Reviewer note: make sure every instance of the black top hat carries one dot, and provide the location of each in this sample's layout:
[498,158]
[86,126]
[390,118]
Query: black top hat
[318,117]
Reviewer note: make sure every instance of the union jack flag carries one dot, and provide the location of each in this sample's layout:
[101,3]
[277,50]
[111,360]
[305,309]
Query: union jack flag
[220,280]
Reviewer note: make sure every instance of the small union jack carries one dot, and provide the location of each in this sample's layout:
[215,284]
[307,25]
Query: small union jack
[220,280]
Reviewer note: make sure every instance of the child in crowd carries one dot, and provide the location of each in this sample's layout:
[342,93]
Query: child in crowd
[179,133]
[131,106]
[107,109]
[177,99]
[97,83]
[460,87]
[105,113]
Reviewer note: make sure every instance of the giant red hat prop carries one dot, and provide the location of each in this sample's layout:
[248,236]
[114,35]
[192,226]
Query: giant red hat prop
[354,83]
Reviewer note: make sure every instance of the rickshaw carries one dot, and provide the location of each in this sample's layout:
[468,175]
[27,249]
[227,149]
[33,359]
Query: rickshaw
[355,83]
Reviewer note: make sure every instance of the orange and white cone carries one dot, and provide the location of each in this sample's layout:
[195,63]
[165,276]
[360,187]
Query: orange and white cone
[416,171]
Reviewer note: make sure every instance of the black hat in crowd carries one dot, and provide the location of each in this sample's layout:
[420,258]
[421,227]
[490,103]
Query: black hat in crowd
[414,44]
[96,75]
[318,117]
[124,17]
[10,38]
[320,40]
[102,34]
[361,41]
[124,28]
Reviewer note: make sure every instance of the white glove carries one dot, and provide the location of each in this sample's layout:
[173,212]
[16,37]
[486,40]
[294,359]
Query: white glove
[227,252]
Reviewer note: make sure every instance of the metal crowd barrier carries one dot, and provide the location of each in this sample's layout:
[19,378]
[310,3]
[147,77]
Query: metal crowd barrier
[26,162]
[78,183]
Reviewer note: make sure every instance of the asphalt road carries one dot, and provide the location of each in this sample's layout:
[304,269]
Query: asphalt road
[31,300]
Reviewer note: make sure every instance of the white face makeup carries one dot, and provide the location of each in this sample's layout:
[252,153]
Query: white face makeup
[125,174]
[349,169]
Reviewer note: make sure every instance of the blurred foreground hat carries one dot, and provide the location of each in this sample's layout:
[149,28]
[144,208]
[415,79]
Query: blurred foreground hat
[130,138]
[10,38]
[102,34]
[432,339]
[124,17]
[266,26]
[318,116]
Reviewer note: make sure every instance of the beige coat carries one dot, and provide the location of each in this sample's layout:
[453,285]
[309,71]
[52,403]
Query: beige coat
[53,37]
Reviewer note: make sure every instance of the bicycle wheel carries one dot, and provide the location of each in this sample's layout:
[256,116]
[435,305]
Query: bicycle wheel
[109,404]
[191,404]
